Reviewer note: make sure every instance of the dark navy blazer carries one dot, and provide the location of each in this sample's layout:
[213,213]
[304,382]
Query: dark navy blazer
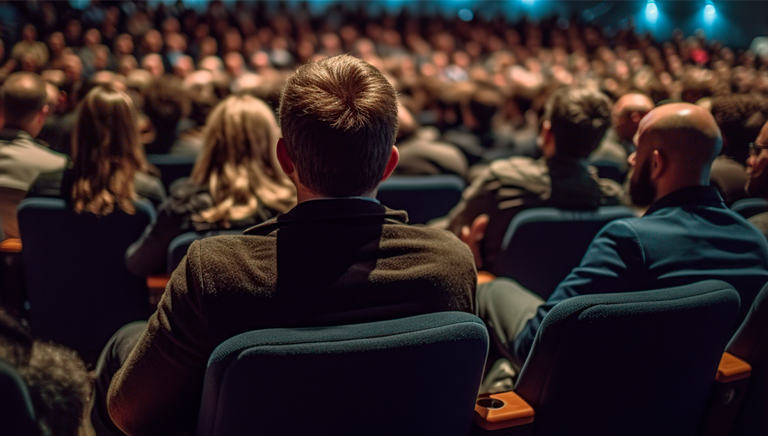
[686,236]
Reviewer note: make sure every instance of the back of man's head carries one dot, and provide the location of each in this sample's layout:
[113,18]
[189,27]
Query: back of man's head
[627,113]
[23,96]
[339,123]
[740,118]
[578,120]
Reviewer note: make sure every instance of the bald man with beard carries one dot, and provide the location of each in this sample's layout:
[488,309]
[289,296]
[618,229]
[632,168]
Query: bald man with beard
[687,234]
[618,144]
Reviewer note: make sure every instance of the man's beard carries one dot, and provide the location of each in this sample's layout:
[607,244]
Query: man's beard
[641,189]
[757,186]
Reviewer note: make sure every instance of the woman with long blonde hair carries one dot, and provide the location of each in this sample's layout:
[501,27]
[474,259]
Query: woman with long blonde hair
[236,182]
[107,170]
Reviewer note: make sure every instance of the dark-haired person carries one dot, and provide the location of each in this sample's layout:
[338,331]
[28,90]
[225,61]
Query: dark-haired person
[25,109]
[107,172]
[574,123]
[757,171]
[687,234]
[337,257]
[739,117]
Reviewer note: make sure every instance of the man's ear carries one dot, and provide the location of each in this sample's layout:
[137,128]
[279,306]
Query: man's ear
[282,157]
[547,139]
[658,164]
[394,158]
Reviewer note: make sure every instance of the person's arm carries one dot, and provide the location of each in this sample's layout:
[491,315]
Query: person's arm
[614,262]
[157,391]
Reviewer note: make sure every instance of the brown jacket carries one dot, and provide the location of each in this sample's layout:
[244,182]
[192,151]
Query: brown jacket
[325,262]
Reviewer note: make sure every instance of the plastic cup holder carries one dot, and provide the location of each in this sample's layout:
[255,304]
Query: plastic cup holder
[490,403]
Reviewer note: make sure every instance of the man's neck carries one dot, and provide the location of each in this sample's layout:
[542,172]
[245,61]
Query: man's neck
[304,194]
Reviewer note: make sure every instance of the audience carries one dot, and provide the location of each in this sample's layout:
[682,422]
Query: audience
[575,120]
[108,168]
[236,183]
[24,108]
[687,234]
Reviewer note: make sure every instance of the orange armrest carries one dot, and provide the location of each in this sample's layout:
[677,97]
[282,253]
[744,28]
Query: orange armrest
[158,281]
[10,245]
[484,277]
[732,368]
[502,410]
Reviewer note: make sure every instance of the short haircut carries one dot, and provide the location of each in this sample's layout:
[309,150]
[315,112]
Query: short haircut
[579,118]
[23,96]
[740,118]
[339,122]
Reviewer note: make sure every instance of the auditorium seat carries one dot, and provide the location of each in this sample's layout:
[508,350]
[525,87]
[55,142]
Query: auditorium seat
[542,245]
[416,375]
[749,344]
[639,363]
[608,169]
[17,415]
[79,289]
[423,197]
[749,207]
[172,166]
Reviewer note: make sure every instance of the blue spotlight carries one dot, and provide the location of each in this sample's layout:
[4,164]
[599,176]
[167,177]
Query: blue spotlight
[529,2]
[651,12]
[709,13]
[466,15]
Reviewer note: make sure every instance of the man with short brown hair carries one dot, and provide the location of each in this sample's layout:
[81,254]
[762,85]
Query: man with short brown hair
[338,257]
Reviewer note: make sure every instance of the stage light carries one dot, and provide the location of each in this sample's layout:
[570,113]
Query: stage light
[529,2]
[466,15]
[709,13]
[651,12]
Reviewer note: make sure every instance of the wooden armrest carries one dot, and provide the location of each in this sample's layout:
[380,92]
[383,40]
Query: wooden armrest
[502,411]
[726,396]
[10,245]
[484,277]
[158,281]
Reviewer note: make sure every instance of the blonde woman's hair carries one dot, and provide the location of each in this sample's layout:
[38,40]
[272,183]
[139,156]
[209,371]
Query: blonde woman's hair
[106,152]
[238,162]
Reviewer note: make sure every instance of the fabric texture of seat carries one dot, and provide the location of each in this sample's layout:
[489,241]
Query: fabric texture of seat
[415,375]
[635,363]
[17,415]
[172,166]
[79,289]
[749,207]
[542,245]
[423,197]
[749,344]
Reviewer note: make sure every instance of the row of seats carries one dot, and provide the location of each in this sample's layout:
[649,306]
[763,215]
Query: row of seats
[631,364]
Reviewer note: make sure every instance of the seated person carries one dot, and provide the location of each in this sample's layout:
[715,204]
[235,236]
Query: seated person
[337,257]
[687,234]
[574,123]
[108,162]
[757,182]
[22,159]
[57,380]
[236,183]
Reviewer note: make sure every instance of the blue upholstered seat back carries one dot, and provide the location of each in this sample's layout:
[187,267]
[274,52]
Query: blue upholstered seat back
[749,207]
[416,375]
[750,343]
[543,245]
[17,416]
[172,166]
[79,289]
[636,363]
[423,197]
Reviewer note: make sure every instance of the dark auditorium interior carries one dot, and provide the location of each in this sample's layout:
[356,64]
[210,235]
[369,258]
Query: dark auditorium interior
[569,235]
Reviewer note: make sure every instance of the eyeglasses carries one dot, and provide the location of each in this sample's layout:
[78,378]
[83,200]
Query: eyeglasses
[754,149]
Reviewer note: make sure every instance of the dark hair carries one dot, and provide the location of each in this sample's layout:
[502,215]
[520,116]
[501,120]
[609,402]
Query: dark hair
[59,386]
[579,118]
[740,118]
[15,340]
[23,95]
[339,121]
[166,103]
